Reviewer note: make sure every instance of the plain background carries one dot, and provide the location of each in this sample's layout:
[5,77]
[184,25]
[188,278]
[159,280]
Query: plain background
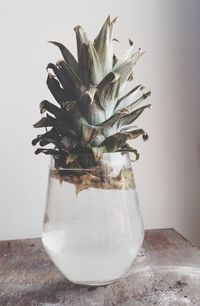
[168,172]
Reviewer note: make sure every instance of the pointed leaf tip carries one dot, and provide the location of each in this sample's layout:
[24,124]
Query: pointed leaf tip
[67,55]
[79,30]
[113,21]
[146,94]
[108,19]
[145,136]
[130,42]
[104,46]
[50,76]
[77,27]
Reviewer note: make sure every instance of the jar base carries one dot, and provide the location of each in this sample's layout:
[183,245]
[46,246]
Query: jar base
[95,283]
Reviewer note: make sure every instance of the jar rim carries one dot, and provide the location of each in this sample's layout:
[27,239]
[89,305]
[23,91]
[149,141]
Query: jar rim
[114,158]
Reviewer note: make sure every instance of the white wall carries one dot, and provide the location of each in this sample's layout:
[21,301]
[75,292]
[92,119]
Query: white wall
[168,173]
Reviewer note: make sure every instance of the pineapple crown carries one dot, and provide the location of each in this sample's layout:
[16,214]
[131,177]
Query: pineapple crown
[93,116]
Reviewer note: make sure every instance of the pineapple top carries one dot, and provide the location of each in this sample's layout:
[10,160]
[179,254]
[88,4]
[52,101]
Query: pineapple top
[92,114]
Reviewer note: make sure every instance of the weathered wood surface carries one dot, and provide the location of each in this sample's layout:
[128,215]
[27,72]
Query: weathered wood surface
[165,272]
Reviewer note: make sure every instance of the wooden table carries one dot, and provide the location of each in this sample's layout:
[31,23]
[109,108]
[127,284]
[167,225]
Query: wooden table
[166,272]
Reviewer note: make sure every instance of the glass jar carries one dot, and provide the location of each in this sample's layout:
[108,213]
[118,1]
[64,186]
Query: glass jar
[92,226]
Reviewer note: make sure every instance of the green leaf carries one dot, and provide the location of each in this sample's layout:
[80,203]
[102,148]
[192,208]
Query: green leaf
[47,106]
[93,111]
[45,122]
[69,143]
[125,57]
[94,65]
[136,56]
[62,79]
[104,46]
[114,142]
[72,79]
[127,148]
[84,64]
[52,134]
[119,119]
[126,99]
[97,151]
[57,91]
[128,128]
[130,118]
[126,69]
[136,133]
[90,106]
[69,115]
[114,59]
[70,158]
[68,120]
[81,38]
[61,127]
[46,141]
[135,103]
[90,120]
[89,63]
[129,55]
[108,91]
[47,152]
[67,55]
[89,133]
[64,129]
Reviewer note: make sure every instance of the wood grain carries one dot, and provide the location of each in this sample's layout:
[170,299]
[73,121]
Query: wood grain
[165,272]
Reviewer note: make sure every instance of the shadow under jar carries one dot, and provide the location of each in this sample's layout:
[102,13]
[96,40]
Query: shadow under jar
[92,226]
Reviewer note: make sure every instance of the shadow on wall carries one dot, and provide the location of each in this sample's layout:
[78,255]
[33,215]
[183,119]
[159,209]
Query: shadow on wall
[185,118]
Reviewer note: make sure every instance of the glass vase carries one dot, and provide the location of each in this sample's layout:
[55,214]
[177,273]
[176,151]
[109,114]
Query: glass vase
[92,227]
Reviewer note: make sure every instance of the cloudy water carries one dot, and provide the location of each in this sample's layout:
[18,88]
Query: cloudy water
[92,237]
